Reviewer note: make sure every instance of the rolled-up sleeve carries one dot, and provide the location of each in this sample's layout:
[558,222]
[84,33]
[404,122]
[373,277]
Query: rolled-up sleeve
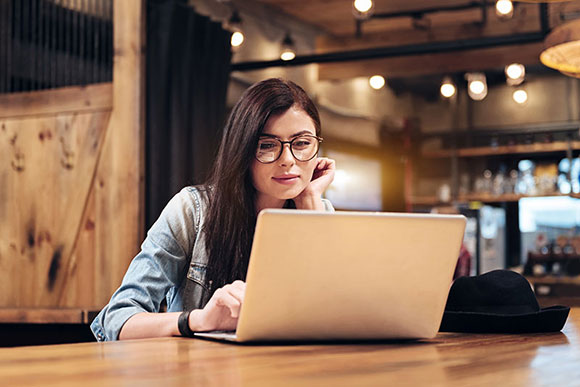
[160,266]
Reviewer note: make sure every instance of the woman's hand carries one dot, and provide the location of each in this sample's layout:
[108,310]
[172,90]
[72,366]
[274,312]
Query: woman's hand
[222,310]
[321,179]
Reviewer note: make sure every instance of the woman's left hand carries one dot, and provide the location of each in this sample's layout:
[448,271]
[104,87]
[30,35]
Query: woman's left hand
[321,179]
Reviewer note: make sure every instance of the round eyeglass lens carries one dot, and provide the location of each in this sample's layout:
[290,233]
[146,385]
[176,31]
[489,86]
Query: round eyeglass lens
[304,148]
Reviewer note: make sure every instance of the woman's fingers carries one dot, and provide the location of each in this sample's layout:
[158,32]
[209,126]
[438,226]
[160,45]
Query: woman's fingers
[231,296]
[325,163]
[225,299]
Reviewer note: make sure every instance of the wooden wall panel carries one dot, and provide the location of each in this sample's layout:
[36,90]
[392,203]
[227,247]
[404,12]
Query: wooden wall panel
[72,187]
[74,99]
[84,287]
[46,180]
[120,190]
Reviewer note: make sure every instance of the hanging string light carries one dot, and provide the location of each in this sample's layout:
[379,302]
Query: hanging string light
[235,26]
[476,86]
[520,96]
[362,9]
[504,9]
[377,82]
[515,74]
[288,51]
[448,88]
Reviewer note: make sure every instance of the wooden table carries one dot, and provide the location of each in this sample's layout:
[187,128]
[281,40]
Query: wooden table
[448,360]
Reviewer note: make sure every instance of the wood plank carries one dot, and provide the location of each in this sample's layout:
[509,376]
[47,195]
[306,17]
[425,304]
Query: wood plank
[43,203]
[489,198]
[557,146]
[83,285]
[450,359]
[441,63]
[454,29]
[550,279]
[336,17]
[425,201]
[477,197]
[119,186]
[77,99]
[43,316]
[525,21]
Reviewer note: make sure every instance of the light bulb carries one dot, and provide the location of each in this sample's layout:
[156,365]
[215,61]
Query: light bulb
[520,96]
[363,5]
[377,82]
[447,88]
[504,8]
[476,87]
[237,39]
[287,55]
[515,74]
[362,9]
[288,51]
[515,71]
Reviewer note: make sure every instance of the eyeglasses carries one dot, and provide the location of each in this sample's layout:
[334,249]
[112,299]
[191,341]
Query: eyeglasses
[303,148]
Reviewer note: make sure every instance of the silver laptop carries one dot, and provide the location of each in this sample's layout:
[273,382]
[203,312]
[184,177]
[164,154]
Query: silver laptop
[347,276]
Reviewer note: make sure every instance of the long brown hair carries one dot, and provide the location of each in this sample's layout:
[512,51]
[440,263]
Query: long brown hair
[231,216]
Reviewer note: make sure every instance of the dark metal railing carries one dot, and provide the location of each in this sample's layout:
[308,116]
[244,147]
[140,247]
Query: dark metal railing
[46,44]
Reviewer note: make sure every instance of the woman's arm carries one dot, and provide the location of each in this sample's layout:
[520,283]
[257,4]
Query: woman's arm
[156,271]
[221,313]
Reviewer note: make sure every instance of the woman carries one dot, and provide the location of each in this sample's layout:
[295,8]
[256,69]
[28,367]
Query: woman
[195,256]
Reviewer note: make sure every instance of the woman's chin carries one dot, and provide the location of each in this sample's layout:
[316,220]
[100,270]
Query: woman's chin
[290,194]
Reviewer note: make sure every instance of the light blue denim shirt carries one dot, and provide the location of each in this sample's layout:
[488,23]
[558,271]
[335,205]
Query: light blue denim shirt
[171,265]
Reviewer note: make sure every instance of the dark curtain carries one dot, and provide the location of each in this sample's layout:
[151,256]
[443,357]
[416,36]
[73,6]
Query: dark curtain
[188,63]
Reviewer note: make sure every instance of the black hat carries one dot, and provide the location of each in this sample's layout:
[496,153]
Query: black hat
[500,301]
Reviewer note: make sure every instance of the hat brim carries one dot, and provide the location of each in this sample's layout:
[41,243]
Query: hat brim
[551,319]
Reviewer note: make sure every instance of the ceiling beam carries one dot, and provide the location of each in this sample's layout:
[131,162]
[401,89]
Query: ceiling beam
[396,51]
[434,63]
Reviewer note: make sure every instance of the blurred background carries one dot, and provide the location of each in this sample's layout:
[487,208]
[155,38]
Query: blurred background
[109,107]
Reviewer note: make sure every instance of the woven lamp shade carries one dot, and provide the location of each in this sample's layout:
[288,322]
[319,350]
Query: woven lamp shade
[562,49]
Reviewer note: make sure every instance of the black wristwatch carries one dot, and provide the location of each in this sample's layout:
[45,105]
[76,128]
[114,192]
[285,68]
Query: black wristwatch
[183,324]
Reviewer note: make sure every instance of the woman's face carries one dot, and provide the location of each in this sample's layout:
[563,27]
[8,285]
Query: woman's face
[286,177]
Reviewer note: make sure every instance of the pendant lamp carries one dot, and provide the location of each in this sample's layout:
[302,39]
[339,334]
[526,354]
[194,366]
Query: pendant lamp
[562,49]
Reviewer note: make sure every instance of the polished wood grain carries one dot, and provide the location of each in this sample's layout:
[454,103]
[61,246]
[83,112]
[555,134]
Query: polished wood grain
[44,316]
[44,185]
[556,146]
[450,359]
[72,187]
[74,99]
[120,179]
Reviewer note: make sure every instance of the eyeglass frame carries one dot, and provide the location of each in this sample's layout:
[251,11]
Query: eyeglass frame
[318,138]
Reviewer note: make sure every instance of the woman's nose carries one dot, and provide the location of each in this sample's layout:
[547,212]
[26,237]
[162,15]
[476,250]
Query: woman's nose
[286,158]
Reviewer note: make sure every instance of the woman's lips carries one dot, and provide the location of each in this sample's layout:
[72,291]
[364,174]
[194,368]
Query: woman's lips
[286,179]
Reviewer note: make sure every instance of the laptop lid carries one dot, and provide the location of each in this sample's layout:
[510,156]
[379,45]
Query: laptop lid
[348,275]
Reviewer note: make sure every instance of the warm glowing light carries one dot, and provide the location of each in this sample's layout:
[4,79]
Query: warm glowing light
[520,96]
[363,5]
[504,8]
[477,87]
[287,55]
[377,82]
[515,71]
[447,88]
[237,39]
[288,50]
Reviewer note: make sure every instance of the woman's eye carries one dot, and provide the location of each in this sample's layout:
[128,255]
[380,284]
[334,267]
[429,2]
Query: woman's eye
[267,146]
[302,143]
